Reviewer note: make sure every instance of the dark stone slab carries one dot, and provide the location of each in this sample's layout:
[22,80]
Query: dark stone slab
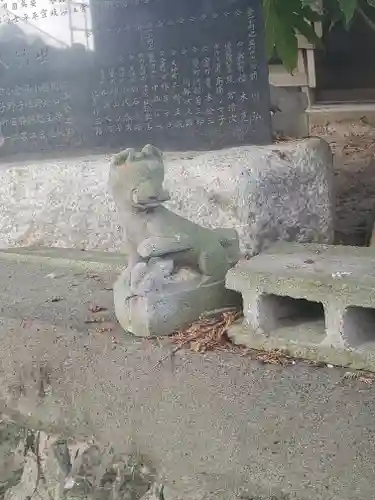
[179,74]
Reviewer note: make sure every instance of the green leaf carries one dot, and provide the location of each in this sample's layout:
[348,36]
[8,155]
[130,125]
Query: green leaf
[286,41]
[280,33]
[287,49]
[312,4]
[311,15]
[333,13]
[348,8]
[305,28]
[286,8]
[284,19]
[270,21]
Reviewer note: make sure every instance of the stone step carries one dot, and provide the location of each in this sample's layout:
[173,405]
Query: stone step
[64,256]
[58,287]
[316,301]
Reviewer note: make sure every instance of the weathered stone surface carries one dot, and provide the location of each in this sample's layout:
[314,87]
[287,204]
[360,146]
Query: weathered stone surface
[270,193]
[217,426]
[176,269]
[289,117]
[317,301]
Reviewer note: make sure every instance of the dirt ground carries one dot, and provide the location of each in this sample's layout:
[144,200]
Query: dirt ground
[353,145]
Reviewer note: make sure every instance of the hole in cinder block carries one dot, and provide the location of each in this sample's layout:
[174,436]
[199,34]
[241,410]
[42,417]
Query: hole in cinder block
[289,316]
[358,325]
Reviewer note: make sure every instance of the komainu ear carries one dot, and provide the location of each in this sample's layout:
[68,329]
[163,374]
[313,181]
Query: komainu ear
[152,151]
[123,157]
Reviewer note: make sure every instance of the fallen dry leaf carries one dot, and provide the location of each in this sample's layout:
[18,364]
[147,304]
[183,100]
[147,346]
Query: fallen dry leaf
[55,299]
[95,308]
[95,277]
[26,323]
[361,376]
[94,320]
[208,333]
[104,330]
[366,380]
[275,357]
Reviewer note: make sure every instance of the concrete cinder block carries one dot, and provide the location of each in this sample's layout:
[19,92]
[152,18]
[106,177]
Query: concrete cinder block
[316,301]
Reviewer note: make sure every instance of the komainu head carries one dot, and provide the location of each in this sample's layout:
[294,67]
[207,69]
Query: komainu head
[137,177]
[129,156]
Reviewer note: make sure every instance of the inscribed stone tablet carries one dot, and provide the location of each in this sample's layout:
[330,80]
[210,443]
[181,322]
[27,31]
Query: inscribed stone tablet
[181,74]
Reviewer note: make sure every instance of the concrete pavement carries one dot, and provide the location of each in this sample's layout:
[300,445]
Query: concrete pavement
[215,426]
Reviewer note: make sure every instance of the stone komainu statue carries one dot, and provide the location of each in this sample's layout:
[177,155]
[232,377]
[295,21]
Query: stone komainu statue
[168,255]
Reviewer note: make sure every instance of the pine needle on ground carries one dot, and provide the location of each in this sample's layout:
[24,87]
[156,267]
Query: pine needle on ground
[208,333]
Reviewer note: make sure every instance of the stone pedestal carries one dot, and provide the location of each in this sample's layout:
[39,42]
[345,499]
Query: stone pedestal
[176,305]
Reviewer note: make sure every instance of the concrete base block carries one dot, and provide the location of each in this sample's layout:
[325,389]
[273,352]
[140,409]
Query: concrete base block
[315,301]
[177,305]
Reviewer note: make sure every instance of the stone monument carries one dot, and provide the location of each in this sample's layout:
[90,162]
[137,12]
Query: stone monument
[180,75]
[176,269]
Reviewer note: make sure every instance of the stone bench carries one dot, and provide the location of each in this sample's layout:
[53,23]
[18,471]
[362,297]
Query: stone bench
[316,301]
